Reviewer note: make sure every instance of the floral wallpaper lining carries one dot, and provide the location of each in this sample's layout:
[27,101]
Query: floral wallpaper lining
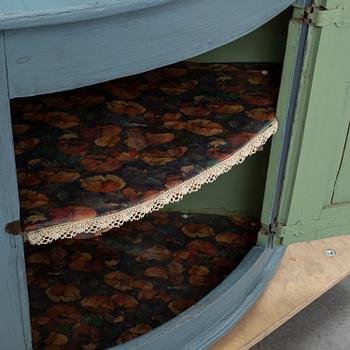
[94,294]
[96,151]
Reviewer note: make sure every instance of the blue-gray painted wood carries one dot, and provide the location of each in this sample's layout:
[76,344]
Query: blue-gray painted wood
[132,37]
[61,57]
[14,310]
[205,322]
[32,13]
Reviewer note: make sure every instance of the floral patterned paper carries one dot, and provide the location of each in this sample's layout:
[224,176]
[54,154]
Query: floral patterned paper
[93,294]
[85,153]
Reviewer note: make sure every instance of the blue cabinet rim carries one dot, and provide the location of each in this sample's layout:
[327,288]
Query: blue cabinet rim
[15,14]
[71,55]
[12,16]
[207,321]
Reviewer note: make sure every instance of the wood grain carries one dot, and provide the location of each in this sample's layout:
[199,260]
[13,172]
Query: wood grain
[14,314]
[304,274]
[61,57]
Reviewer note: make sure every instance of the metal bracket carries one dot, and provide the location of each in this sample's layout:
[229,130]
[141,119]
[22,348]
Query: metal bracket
[322,17]
[14,228]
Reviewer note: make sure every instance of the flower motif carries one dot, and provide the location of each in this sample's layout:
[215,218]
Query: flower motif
[147,294]
[197,230]
[129,108]
[32,199]
[124,301]
[143,285]
[125,156]
[82,261]
[175,88]
[62,292]
[175,125]
[204,127]
[159,138]
[195,111]
[262,114]
[97,303]
[62,120]
[201,247]
[100,163]
[119,280]
[25,145]
[59,176]
[163,157]
[136,139]
[99,183]
[157,253]
[231,238]
[157,272]
[225,108]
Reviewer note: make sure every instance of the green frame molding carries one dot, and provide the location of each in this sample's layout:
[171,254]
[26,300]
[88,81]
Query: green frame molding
[319,136]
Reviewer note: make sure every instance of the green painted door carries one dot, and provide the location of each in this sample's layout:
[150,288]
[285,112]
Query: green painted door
[341,194]
[315,196]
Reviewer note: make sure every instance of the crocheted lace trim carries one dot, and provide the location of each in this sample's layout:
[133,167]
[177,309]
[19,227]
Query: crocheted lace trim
[96,226]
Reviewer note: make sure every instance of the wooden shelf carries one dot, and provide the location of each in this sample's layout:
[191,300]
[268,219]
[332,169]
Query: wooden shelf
[305,273]
[104,291]
[91,159]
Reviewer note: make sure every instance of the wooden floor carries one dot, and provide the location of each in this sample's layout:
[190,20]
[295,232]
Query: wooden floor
[305,273]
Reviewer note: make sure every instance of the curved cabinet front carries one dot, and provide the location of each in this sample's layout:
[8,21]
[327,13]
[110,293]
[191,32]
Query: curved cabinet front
[48,58]
[205,322]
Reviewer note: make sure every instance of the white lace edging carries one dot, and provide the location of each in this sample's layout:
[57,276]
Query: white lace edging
[98,225]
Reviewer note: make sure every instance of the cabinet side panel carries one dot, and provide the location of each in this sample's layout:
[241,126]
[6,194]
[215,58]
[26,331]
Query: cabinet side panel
[14,315]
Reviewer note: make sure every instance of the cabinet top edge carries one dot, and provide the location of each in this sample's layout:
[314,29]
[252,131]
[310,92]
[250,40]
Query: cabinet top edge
[18,14]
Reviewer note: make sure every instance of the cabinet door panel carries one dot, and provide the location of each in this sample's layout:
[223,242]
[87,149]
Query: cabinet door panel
[342,187]
[309,207]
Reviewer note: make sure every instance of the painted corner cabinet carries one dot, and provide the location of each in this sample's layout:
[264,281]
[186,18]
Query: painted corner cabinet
[126,219]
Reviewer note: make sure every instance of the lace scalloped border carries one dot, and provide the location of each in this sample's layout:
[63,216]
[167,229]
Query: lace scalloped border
[96,226]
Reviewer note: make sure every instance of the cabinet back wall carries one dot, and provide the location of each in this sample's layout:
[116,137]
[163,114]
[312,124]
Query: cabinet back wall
[225,196]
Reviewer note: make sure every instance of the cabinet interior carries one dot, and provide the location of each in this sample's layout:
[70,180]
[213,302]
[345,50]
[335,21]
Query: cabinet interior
[106,284]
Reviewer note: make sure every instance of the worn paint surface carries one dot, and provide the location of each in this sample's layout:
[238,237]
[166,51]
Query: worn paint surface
[14,322]
[319,136]
[69,56]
